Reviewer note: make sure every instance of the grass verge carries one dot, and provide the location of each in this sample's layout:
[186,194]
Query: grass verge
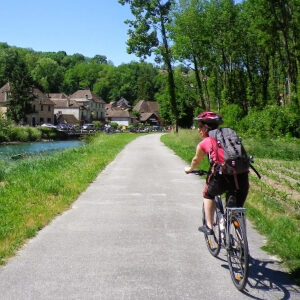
[34,191]
[273,204]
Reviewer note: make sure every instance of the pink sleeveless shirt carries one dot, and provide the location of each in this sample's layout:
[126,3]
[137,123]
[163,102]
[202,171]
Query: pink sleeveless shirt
[209,146]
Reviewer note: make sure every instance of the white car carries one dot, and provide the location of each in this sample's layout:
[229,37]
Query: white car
[88,127]
[49,125]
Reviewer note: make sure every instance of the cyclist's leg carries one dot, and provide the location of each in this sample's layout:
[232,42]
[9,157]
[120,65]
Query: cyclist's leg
[216,186]
[209,208]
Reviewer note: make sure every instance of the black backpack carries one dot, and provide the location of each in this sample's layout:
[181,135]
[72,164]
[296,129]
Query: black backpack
[236,160]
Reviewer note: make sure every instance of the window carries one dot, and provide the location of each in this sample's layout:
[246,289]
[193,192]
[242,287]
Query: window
[42,107]
[49,108]
[41,120]
[49,119]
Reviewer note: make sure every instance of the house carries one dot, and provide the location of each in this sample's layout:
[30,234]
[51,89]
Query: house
[94,105]
[149,112]
[4,94]
[122,117]
[65,108]
[119,112]
[42,106]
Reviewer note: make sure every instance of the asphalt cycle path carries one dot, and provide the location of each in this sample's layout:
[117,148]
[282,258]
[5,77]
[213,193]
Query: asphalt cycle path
[133,235]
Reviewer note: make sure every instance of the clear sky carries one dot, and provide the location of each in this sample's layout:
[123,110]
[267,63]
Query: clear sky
[88,27]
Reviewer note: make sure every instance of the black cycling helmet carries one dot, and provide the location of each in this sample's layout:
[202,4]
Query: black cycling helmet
[210,118]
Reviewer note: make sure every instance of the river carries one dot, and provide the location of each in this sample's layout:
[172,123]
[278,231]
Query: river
[24,149]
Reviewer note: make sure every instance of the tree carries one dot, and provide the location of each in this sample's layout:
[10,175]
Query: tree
[48,75]
[21,93]
[148,34]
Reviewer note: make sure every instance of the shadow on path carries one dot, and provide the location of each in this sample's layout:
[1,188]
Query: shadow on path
[262,277]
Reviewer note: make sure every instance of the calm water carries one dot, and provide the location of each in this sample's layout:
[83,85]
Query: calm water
[8,151]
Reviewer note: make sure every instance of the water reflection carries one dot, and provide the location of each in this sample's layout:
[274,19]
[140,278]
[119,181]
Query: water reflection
[13,151]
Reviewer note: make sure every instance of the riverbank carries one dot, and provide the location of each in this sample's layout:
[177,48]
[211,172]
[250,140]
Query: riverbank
[35,190]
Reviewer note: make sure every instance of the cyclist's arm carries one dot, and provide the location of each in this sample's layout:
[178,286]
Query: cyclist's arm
[196,160]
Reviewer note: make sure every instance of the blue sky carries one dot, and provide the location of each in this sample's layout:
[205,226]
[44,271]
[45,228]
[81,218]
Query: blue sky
[88,27]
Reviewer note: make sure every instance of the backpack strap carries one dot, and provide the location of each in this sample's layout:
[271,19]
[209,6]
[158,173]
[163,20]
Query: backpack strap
[256,172]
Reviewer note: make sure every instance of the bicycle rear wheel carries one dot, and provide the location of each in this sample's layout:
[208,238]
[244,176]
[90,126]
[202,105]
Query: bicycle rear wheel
[213,242]
[238,253]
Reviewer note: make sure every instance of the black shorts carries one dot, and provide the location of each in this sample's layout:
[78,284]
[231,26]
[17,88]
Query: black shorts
[218,184]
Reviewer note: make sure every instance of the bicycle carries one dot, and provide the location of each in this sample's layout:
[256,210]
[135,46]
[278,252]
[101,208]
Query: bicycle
[229,232]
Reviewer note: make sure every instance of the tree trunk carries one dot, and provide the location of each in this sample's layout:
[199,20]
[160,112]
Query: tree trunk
[199,84]
[167,60]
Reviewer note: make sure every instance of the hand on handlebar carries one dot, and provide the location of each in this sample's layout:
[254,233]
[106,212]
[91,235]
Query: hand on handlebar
[195,172]
[187,170]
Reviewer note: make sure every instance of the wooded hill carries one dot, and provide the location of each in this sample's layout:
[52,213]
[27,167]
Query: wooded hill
[241,59]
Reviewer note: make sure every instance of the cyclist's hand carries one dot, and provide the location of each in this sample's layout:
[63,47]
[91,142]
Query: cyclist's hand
[187,170]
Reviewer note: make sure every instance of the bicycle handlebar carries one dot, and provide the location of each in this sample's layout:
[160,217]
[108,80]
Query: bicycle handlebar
[199,172]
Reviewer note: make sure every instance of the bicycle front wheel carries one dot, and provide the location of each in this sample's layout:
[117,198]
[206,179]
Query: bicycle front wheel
[238,253]
[213,242]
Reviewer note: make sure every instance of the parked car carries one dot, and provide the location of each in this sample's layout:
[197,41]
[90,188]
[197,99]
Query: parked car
[62,127]
[48,125]
[88,127]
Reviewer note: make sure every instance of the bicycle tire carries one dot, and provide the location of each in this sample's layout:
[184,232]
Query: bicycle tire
[238,253]
[213,242]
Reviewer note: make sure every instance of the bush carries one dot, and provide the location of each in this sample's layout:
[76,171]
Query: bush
[4,129]
[3,137]
[98,124]
[273,121]
[46,133]
[114,125]
[33,133]
[17,133]
[232,116]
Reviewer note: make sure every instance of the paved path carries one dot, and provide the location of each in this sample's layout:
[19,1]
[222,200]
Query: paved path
[133,235]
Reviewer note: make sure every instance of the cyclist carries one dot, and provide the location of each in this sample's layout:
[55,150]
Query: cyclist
[216,183]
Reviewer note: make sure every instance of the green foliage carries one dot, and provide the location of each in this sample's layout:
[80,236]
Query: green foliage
[273,121]
[184,144]
[97,124]
[4,128]
[114,125]
[283,148]
[48,75]
[232,115]
[17,75]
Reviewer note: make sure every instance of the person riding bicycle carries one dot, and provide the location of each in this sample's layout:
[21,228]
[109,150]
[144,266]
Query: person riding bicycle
[216,183]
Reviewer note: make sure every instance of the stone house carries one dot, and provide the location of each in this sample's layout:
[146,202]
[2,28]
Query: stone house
[66,110]
[42,106]
[94,106]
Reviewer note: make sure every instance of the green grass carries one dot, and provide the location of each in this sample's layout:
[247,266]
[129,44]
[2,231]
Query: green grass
[33,191]
[271,204]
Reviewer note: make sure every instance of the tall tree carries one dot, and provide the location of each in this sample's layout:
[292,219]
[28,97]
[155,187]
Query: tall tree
[21,94]
[148,34]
